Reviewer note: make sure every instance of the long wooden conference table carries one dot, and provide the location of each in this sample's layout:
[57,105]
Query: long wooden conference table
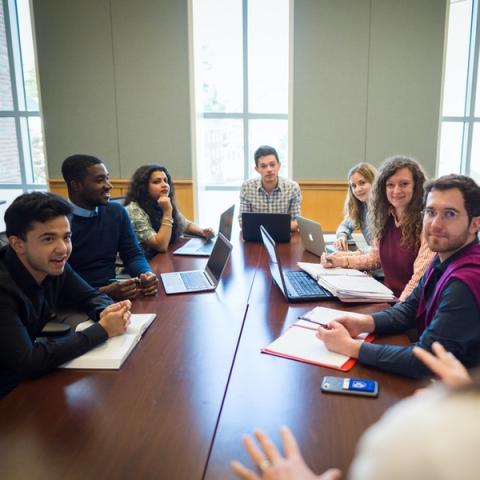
[194,384]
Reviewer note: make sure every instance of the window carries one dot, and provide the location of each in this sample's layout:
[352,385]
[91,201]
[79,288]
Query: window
[22,160]
[241,91]
[460,127]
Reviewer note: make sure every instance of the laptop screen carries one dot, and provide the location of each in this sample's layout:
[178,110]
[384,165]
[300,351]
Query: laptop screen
[226,222]
[273,260]
[218,258]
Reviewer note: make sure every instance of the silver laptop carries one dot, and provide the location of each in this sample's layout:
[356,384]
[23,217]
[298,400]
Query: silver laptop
[200,247]
[200,280]
[311,235]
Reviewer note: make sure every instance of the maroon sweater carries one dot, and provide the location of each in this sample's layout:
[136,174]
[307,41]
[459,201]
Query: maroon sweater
[397,260]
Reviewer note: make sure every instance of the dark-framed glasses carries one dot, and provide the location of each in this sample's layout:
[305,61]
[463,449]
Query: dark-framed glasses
[447,215]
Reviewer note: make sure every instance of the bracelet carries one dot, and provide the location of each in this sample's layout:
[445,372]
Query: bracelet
[167,224]
[348,263]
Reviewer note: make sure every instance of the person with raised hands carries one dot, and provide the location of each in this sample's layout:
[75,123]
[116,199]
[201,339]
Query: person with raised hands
[428,430]
[444,365]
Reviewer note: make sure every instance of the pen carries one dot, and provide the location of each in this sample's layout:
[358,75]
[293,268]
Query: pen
[324,325]
[116,280]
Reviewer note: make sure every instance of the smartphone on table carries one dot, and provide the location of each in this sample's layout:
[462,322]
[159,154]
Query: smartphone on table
[350,386]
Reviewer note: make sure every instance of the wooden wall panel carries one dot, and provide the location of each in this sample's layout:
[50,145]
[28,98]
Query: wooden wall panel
[184,191]
[322,200]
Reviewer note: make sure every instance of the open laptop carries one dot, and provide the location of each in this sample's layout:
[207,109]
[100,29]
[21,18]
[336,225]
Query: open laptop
[296,285]
[312,235]
[200,280]
[201,247]
[277,224]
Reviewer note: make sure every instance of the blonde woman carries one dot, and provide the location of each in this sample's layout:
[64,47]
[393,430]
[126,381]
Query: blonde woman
[360,180]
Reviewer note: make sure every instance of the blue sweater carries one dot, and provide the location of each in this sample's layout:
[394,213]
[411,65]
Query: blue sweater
[96,241]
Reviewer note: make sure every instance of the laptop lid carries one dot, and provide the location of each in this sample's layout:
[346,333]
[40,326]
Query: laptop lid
[311,235]
[277,225]
[274,260]
[226,222]
[200,247]
[218,259]
[316,292]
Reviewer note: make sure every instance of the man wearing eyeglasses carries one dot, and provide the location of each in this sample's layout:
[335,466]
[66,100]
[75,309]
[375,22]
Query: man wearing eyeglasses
[445,306]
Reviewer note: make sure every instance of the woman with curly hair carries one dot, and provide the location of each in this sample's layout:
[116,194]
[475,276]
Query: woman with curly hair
[395,220]
[152,208]
[360,180]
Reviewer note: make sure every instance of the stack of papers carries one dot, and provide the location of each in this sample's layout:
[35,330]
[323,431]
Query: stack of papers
[300,342]
[348,284]
[111,354]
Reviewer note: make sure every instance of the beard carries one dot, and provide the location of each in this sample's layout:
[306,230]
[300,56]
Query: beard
[445,244]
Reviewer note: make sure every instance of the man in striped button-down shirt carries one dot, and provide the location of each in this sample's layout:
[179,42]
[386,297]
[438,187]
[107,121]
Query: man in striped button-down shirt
[270,193]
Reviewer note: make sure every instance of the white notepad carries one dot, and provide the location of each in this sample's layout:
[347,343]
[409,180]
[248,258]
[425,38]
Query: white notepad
[300,342]
[112,354]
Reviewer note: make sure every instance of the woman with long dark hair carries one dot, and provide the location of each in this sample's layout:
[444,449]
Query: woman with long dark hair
[395,218]
[153,211]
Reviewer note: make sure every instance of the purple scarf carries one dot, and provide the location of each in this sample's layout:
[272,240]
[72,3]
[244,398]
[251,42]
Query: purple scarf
[465,268]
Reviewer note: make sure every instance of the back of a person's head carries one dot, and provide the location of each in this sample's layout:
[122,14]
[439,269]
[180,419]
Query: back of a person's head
[33,207]
[469,189]
[263,151]
[75,167]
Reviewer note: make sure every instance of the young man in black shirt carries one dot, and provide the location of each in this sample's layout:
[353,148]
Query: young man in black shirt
[34,279]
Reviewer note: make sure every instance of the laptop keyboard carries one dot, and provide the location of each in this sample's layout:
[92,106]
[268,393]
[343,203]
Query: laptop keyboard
[194,280]
[207,247]
[305,285]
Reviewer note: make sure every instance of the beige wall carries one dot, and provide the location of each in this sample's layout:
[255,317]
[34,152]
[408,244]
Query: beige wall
[367,74]
[367,83]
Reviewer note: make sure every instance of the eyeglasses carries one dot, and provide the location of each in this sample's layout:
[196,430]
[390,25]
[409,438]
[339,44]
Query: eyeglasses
[447,215]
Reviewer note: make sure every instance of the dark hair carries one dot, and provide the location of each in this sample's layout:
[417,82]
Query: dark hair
[138,192]
[75,167]
[263,151]
[33,207]
[467,186]
[379,207]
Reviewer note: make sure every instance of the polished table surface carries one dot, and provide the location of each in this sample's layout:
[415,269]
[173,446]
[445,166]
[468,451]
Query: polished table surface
[194,384]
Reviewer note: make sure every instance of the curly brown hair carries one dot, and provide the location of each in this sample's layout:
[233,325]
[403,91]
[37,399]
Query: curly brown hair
[352,207]
[379,207]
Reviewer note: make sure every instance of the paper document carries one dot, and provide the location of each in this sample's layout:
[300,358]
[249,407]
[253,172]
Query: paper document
[316,270]
[348,284]
[111,354]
